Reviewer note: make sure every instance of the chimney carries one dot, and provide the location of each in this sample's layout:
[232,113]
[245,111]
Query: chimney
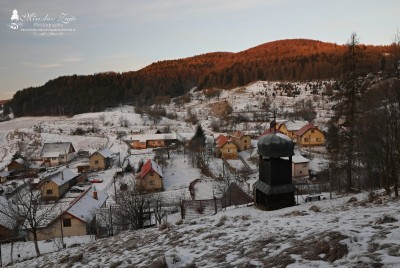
[94,193]
[62,174]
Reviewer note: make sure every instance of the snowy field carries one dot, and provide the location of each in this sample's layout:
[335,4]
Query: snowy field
[344,232]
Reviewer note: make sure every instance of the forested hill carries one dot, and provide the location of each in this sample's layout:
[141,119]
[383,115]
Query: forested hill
[296,59]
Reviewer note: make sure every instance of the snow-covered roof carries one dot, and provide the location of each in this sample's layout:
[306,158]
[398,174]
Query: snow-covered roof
[19,161]
[305,128]
[55,149]
[4,173]
[150,165]
[84,206]
[62,176]
[294,125]
[298,158]
[105,152]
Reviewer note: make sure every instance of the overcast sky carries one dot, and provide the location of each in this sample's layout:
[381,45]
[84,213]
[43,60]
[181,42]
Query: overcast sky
[126,35]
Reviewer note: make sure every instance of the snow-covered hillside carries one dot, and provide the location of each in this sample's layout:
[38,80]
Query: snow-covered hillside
[359,231]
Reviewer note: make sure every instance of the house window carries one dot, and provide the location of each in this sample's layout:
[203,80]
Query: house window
[229,150]
[312,131]
[306,139]
[96,162]
[318,139]
[54,158]
[152,182]
[49,192]
[301,172]
[67,222]
[151,174]
[245,141]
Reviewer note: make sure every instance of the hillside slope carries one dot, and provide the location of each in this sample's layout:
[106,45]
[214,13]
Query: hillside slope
[296,59]
[344,232]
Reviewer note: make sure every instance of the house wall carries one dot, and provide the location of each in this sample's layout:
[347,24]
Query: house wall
[290,133]
[155,143]
[312,137]
[244,143]
[138,145]
[228,151]
[49,185]
[299,169]
[3,179]
[151,182]
[97,161]
[77,228]
[5,233]
[66,159]
[51,161]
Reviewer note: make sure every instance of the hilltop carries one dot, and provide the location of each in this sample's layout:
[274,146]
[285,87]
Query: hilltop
[361,231]
[284,60]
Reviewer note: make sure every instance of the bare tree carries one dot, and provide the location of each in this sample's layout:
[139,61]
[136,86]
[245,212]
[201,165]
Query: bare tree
[28,206]
[133,207]
[159,212]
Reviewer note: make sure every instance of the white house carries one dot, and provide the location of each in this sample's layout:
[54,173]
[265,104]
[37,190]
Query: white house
[54,154]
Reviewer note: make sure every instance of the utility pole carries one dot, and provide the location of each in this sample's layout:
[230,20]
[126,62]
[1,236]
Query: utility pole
[111,222]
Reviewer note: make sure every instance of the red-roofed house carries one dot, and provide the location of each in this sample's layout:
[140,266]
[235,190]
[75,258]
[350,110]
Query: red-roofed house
[241,140]
[226,148]
[150,177]
[310,135]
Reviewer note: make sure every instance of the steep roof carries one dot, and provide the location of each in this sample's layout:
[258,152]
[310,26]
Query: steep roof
[304,129]
[149,166]
[269,131]
[221,140]
[56,149]
[275,145]
[239,134]
[85,205]
[62,177]
[105,152]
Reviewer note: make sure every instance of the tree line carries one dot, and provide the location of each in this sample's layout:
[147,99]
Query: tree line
[284,60]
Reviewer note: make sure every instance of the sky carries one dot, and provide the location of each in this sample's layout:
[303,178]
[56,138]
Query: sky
[127,35]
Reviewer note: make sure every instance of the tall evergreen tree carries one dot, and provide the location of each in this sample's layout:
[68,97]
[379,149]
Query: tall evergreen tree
[343,125]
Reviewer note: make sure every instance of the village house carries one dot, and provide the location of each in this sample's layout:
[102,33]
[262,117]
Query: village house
[101,159]
[77,219]
[17,166]
[226,148]
[54,186]
[143,141]
[54,154]
[150,178]
[310,135]
[299,166]
[241,140]
[289,128]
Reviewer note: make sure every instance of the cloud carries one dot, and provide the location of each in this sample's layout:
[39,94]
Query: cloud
[72,59]
[37,65]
